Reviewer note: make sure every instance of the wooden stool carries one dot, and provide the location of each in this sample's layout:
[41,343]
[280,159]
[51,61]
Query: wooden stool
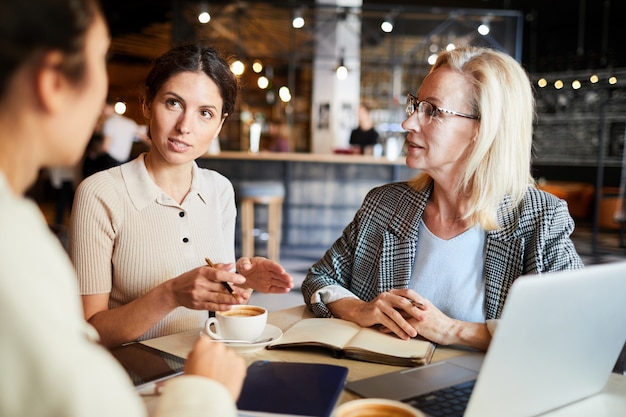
[272,194]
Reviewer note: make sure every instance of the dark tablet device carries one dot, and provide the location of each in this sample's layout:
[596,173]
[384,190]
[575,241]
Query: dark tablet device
[146,365]
[291,388]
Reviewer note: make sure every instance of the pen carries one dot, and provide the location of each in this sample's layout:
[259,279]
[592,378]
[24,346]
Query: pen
[224,283]
[415,303]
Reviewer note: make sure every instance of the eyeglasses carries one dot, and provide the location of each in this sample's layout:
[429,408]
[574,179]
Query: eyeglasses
[427,111]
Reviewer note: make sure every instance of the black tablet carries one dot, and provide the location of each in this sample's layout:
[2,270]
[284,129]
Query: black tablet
[147,365]
[291,388]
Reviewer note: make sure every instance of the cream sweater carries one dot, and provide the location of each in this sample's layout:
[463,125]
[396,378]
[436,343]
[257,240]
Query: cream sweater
[127,235]
[51,364]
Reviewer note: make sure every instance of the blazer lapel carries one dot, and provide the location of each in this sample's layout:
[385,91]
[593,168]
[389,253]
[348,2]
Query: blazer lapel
[400,240]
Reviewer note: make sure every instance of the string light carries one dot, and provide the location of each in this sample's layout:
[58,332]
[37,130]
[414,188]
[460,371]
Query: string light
[284,94]
[263,82]
[257,66]
[237,67]
[577,81]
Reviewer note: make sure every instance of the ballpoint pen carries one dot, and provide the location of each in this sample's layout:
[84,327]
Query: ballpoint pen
[224,283]
[415,303]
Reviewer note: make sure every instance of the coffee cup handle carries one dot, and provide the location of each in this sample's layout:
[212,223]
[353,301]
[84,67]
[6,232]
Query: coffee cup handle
[207,328]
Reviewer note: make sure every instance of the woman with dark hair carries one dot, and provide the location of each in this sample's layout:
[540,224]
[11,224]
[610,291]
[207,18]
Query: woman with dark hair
[141,232]
[53,82]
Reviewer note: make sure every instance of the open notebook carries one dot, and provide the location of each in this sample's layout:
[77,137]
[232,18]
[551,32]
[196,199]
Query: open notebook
[558,339]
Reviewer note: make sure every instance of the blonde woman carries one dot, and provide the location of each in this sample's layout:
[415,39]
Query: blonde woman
[436,256]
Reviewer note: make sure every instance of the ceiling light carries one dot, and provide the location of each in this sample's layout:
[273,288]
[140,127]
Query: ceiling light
[298,20]
[342,70]
[485,27]
[387,24]
[204,17]
[120,107]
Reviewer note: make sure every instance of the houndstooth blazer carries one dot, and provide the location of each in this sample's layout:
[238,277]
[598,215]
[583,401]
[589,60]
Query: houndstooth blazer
[375,252]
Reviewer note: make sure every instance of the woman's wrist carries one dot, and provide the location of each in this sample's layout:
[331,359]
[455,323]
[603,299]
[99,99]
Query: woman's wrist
[470,334]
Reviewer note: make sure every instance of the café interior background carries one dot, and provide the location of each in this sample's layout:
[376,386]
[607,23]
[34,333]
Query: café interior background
[573,51]
[575,38]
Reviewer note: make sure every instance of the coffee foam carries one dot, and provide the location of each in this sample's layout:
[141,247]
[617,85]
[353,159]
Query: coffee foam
[245,311]
[375,408]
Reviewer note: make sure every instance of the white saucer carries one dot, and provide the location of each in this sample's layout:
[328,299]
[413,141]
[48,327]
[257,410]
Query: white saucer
[270,331]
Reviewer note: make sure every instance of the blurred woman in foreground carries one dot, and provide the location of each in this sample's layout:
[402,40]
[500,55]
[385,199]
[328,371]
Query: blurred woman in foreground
[53,82]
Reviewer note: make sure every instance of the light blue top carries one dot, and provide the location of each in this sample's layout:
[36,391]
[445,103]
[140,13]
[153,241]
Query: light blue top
[449,273]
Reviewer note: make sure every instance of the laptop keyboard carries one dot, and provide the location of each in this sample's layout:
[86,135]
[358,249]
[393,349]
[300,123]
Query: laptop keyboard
[446,402]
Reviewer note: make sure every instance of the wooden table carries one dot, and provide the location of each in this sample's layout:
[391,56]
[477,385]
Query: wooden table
[611,402]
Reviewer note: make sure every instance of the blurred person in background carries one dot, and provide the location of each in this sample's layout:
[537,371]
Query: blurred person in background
[365,136]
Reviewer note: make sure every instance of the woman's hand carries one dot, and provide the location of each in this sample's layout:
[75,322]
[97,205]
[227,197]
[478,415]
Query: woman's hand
[265,275]
[203,289]
[430,323]
[216,361]
[391,310]
[425,318]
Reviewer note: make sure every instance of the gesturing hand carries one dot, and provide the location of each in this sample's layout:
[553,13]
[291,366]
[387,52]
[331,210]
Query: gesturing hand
[202,288]
[265,275]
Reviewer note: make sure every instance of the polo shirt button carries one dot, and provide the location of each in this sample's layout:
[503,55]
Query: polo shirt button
[181,214]
[185,240]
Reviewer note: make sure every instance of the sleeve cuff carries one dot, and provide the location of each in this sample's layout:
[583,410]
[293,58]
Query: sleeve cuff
[195,396]
[331,293]
[492,325]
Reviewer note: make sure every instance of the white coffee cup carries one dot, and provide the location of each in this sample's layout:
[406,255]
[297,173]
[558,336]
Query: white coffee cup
[241,322]
[376,407]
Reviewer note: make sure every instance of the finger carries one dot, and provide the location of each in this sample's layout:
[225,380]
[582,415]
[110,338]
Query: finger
[398,324]
[285,281]
[232,278]
[244,264]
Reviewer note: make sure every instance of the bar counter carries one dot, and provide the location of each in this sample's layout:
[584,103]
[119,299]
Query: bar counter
[322,191]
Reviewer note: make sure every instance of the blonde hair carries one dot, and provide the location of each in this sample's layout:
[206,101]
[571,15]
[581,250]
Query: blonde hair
[499,163]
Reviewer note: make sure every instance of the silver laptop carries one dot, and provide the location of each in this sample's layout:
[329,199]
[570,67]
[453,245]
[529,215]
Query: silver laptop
[557,342]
